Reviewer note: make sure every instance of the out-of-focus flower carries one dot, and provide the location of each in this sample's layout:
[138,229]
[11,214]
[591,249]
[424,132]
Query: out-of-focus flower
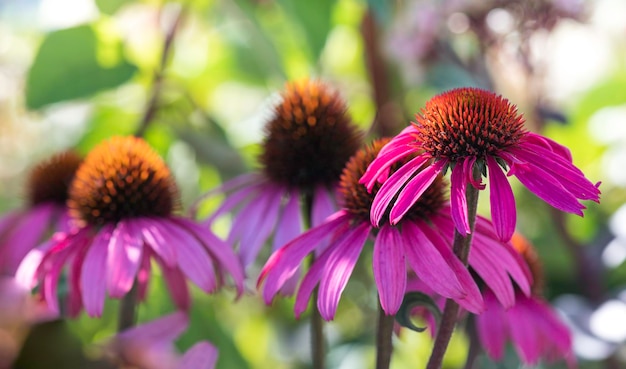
[18,312]
[423,240]
[45,213]
[124,197]
[531,324]
[466,130]
[151,346]
[309,138]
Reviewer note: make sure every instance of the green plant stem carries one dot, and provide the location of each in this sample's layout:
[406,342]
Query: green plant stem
[318,344]
[384,348]
[128,310]
[461,248]
[474,346]
[155,93]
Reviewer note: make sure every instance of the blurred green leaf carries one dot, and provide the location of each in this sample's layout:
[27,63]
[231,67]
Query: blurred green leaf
[67,67]
[110,7]
[315,19]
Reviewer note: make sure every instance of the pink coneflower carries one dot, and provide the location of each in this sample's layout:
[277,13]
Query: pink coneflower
[531,324]
[419,241]
[309,138]
[151,346]
[467,129]
[45,213]
[123,195]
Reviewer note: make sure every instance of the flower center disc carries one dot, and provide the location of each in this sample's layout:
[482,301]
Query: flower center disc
[358,200]
[310,136]
[122,178]
[49,181]
[468,122]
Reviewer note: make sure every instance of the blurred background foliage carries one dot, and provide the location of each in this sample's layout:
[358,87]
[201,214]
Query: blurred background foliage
[198,78]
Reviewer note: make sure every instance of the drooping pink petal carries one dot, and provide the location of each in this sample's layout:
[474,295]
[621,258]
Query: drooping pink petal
[339,268]
[323,205]
[554,146]
[468,165]
[379,168]
[193,258]
[143,274]
[220,250]
[493,275]
[153,236]
[503,214]
[238,189]
[458,199]
[557,335]
[289,223]
[389,268]
[472,300]
[413,190]
[235,199]
[93,274]
[75,295]
[202,355]
[123,259]
[285,261]
[177,285]
[491,327]
[392,186]
[25,235]
[524,333]
[27,272]
[311,279]
[261,217]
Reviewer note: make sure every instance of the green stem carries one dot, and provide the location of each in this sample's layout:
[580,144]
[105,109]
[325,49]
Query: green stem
[384,348]
[128,309]
[461,248]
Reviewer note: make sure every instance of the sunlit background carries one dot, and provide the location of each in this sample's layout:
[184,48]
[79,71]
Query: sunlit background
[73,72]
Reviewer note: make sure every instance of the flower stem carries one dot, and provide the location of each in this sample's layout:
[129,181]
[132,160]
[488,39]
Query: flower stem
[128,310]
[318,347]
[461,248]
[384,347]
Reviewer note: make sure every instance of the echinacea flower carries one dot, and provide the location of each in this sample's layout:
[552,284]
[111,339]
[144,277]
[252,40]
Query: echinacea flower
[467,129]
[417,241]
[45,213]
[532,326]
[151,346]
[124,196]
[309,138]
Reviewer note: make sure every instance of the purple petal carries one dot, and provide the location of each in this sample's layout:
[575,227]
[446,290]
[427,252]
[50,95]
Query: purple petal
[153,236]
[235,199]
[413,190]
[392,185]
[524,333]
[491,327]
[389,269]
[143,274]
[502,201]
[123,259]
[202,355]
[493,275]
[310,280]
[323,205]
[28,270]
[177,285]
[290,223]
[458,198]
[382,164]
[339,268]
[285,261]
[93,274]
[162,330]
[193,258]
[554,146]
[220,250]
[249,183]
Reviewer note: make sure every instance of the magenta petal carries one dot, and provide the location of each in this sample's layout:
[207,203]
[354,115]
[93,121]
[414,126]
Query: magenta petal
[323,205]
[310,280]
[414,188]
[202,355]
[554,146]
[153,236]
[162,330]
[491,327]
[339,268]
[493,275]
[193,258]
[392,186]
[123,259]
[252,182]
[524,333]
[26,274]
[290,223]
[382,164]
[218,249]
[389,269]
[285,261]
[177,286]
[502,202]
[458,199]
[93,275]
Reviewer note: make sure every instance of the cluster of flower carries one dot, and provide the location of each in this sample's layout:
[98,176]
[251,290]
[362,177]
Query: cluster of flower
[115,212]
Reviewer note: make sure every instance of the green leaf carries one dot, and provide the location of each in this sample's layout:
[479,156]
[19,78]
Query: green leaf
[67,67]
[110,7]
[315,19]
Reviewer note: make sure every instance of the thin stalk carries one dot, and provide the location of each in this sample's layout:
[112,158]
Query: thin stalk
[128,310]
[474,346]
[318,342]
[461,248]
[384,334]
[155,94]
